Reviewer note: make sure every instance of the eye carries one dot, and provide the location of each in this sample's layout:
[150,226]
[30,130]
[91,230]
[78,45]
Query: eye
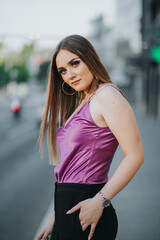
[75,63]
[62,71]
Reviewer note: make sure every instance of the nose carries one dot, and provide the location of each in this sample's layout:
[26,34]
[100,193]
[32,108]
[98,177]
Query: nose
[71,74]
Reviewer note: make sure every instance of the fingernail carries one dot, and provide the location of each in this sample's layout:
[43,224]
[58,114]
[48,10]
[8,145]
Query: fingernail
[68,212]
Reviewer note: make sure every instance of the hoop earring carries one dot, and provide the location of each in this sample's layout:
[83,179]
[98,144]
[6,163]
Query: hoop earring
[65,91]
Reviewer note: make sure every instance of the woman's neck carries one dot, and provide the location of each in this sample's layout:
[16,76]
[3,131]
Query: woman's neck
[91,91]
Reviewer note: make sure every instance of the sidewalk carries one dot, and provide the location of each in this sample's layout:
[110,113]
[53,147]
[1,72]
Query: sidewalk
[138,205]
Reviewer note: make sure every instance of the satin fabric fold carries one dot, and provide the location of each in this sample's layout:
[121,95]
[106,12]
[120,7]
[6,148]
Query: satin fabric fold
[85,149]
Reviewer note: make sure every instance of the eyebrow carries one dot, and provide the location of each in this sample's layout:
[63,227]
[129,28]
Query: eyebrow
[68,63]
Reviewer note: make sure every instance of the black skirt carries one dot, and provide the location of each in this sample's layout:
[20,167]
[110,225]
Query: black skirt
[67,226]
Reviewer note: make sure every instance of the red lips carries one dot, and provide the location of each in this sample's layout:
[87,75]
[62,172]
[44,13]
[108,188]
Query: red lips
[75,81]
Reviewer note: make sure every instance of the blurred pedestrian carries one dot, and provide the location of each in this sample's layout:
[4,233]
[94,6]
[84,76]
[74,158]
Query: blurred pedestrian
[94,117]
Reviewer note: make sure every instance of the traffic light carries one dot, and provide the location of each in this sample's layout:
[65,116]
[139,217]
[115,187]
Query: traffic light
[155,53]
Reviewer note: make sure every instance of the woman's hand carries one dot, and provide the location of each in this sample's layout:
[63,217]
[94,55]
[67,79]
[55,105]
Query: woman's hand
[47,230]
[90,212]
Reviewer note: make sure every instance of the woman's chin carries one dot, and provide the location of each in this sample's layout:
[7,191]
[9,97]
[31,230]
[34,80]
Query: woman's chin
[78,88]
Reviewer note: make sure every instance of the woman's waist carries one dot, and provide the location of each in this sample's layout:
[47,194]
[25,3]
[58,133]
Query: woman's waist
[66,186]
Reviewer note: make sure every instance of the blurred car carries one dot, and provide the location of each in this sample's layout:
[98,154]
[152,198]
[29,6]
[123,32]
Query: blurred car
[16,106]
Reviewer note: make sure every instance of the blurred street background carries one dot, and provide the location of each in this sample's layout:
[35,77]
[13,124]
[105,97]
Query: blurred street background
[126,35]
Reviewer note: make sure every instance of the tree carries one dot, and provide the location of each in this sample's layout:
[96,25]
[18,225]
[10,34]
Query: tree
[23,73]
[4,74]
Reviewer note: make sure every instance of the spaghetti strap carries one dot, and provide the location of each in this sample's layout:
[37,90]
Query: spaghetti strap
[105,85]
[99,88]
[96,91]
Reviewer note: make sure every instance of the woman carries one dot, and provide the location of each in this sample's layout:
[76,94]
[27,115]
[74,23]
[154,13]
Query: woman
[94,118]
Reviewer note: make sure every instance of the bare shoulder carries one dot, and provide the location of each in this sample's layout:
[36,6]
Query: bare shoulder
[110,96]
[119,116]
[114,108]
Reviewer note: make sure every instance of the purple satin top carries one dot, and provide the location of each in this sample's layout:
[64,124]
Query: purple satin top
[86,150]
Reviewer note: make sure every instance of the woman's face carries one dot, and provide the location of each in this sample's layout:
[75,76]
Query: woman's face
[73,70]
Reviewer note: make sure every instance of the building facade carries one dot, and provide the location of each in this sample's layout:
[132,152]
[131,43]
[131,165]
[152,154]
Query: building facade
[150,29]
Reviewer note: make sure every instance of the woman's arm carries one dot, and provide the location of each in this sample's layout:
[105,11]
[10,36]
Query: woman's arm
[47,230]
[120,118]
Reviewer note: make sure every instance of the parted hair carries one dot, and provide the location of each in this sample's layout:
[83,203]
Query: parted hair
[59,106]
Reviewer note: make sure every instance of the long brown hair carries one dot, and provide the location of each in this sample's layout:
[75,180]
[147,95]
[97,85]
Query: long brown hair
[58,104]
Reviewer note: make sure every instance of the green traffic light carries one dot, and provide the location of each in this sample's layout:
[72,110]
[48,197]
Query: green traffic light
[155,53]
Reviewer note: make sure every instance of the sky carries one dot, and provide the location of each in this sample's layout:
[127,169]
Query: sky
[50,19]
